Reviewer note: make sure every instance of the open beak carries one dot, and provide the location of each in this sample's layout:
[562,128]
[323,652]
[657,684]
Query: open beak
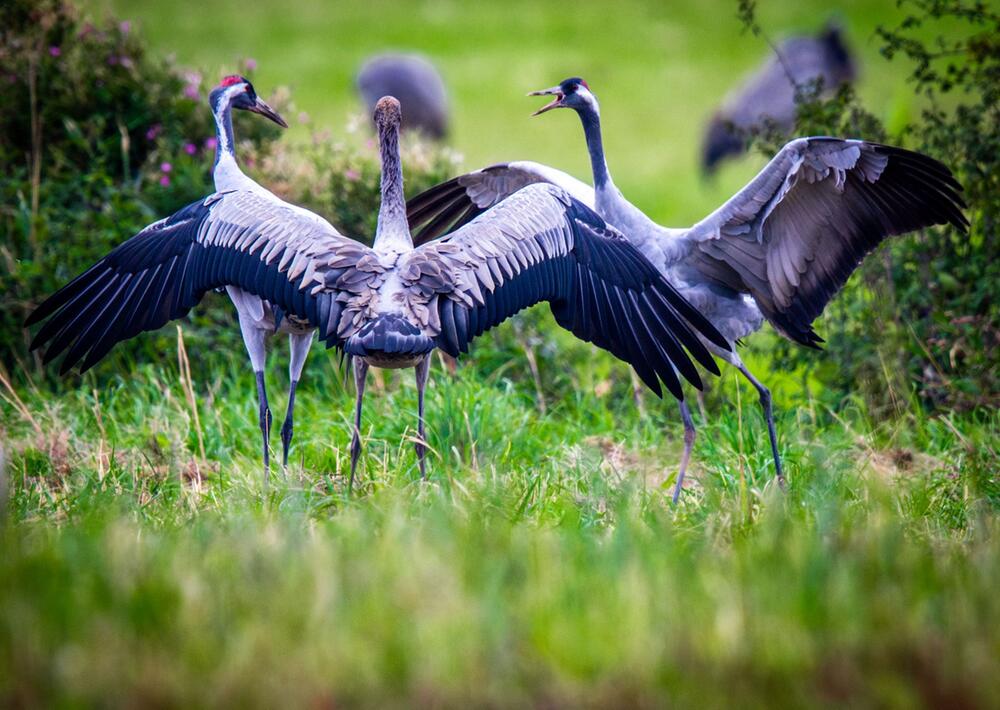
[555,103]
[264,110]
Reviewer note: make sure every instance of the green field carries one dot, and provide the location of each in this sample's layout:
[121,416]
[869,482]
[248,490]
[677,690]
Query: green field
[143,563]
[658,68]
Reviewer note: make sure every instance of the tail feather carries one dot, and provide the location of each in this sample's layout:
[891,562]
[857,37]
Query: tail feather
[390,334]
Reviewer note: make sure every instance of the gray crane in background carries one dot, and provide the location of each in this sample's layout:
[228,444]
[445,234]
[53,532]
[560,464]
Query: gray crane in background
[768,95]
[415,83]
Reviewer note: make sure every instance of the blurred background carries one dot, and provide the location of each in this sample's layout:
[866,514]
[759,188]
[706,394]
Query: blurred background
[659,70]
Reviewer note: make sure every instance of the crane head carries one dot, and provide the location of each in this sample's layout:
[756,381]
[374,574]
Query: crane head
[388,112]
[239,92]
[571,93]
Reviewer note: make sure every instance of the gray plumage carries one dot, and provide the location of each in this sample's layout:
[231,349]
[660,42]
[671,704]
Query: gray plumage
[768,95]
[413,80]
[388,305]
[778,250]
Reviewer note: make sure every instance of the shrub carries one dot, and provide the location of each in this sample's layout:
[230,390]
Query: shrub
[98,139]
[922,312]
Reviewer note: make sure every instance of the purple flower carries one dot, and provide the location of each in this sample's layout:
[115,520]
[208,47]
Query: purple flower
[191,91]
[211,143]
[303,117]
[190,148]
[54,51]
[125,26]
[112,60]
[125,62]
[165,181]
[352,175]
[153,131]
[250,64]
[166,167]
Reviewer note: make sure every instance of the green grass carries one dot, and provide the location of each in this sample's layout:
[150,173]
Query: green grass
[542,564]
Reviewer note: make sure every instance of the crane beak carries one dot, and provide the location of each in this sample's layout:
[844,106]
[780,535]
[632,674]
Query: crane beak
[555,103]
[264,110]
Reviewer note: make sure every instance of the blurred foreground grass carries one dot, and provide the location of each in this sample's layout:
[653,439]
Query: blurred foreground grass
[541,564]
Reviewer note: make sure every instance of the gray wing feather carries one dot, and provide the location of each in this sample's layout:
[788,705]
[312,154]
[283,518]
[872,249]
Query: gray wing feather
[797,231]
[456,202]
[542,245]
[307,250]
[239,238]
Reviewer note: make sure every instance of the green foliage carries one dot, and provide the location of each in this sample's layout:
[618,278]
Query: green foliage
[97,140]
[101,139]
[923,310]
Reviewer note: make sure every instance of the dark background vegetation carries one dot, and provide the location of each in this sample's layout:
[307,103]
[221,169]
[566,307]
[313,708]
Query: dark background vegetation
[933,294]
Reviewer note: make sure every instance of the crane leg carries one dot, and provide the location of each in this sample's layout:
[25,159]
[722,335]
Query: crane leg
[423,371]
[360,373]
[765,403]
[265,422]
[300,344]
[254,338]
[689,435]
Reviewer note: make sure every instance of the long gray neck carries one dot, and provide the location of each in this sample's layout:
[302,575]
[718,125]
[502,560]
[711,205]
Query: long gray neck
[591,120]
[392,228]
[609,201]
[226,169]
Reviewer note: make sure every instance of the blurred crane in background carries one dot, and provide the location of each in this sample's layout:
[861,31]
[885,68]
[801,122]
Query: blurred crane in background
[413,81]
[768,95]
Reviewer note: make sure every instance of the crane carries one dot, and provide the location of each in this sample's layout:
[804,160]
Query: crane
[413,81]
[259,319]
[778,250]
[389,305]
[769,94]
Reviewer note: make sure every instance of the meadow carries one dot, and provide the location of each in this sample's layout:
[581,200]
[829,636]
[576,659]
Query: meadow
[143,562]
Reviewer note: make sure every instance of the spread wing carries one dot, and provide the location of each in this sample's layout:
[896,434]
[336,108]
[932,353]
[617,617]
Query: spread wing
[252,240]
[458,201]
[542,245]
[796,232]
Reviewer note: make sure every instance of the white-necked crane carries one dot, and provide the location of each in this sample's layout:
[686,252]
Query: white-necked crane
[259,318]
[778,250]
[391,304]
[237,201]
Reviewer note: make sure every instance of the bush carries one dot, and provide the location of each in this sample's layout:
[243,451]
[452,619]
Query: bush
[922,313]
[98,139]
